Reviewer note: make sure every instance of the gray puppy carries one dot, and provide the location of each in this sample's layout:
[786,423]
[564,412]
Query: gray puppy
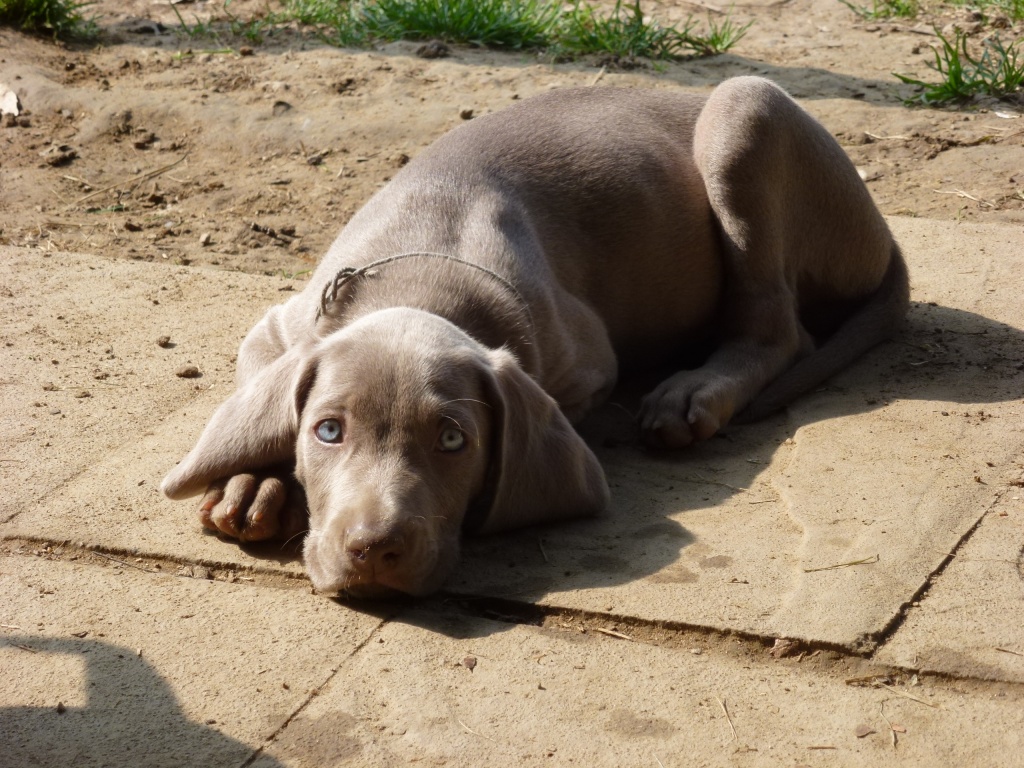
[426,380]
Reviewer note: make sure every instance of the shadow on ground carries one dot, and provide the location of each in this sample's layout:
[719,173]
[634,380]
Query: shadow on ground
[944,355]
[131,716]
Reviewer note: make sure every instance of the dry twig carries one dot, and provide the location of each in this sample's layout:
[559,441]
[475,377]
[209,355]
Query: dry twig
[475,733]
[898,692]
[540,546]
[892,731]
[1007,650]
[133,180]
[123,562]
[612,633]
[886,138]
[866,561]
[961,193]
[705,481]
[732,727]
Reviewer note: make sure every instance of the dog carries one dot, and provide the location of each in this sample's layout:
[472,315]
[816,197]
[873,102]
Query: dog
[426,381]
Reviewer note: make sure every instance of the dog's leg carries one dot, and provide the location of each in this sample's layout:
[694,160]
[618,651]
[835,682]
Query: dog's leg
[787,201]
[262,503]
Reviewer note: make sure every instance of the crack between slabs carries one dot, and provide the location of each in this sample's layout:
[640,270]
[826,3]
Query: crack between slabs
[259,751]
[219,570]
[880,638]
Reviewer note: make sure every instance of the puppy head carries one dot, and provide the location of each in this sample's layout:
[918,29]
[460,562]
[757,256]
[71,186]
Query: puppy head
[393,445]
[405,433]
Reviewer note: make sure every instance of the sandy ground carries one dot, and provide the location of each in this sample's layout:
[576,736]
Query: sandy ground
[155,146]
[838,586]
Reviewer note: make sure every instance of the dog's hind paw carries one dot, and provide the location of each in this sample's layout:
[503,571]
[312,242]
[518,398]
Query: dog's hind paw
[686,408]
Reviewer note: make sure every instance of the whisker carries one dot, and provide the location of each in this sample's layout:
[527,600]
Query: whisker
[289,539]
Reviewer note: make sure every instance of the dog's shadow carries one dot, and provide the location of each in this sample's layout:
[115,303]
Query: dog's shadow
[944,355]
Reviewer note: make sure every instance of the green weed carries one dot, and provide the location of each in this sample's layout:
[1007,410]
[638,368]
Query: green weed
[998,71]
[885,9]
[60,18]
[198,30]
[624,33]
[720,37]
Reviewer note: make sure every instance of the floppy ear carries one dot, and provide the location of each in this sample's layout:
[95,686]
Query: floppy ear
[256,427]
[541,470]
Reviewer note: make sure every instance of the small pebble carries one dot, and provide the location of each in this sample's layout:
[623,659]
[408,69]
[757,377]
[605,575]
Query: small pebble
[61,709]
[163,341]
[469,663]
[205,239]
[466,113]
[188,372]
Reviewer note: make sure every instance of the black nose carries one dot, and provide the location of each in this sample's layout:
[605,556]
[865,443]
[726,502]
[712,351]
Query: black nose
[373,552]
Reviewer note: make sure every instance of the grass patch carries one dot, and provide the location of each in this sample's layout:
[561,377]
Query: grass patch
[577,30]
[1012,9]
[624,33]
[493,23]
[998,71]
[61,18]
[627,33]
[909,9]
[564,31]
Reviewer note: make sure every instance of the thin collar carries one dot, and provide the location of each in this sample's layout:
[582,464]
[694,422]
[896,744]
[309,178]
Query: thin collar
[332,290]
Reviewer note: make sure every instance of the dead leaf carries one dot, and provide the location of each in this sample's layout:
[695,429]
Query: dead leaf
[783,647]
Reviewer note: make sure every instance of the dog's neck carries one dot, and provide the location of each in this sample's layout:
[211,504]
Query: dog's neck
[479,300]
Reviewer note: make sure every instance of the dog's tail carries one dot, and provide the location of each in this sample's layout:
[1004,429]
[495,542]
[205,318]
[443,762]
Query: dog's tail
[874,322]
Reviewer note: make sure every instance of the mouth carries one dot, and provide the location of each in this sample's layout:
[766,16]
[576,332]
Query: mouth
[333,572]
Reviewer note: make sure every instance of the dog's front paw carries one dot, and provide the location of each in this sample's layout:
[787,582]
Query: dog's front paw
[252,507]
[686,408]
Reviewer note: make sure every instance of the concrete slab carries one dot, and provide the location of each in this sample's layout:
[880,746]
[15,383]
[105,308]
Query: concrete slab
[817,525]
[154,670]
[558,697]
[887,467]
[90,398]
[969,622]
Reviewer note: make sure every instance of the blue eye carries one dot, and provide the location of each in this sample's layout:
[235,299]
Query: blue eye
[328,431]
[451,440]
